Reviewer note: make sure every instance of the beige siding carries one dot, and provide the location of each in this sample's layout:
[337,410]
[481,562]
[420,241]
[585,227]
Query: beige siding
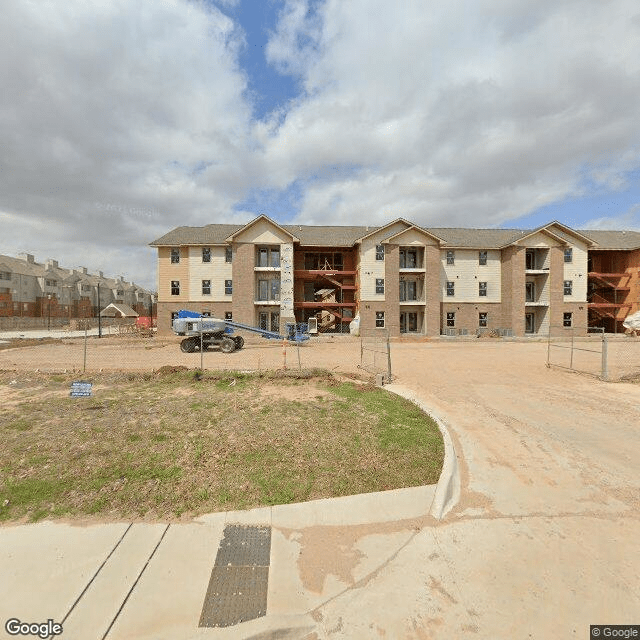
[167,271]
[413,237]
[370,268]
[263,232]
[217,271]
[538,240]
[576,271]
[467,272]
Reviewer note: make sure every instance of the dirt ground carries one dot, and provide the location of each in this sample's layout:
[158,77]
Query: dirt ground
[545,538]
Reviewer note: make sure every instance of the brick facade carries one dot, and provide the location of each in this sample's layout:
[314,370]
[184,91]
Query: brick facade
[500,281]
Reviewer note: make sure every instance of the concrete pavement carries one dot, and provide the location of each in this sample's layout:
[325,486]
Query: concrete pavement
[543,542]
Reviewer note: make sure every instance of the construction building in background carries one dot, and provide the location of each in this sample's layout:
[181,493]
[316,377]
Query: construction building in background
[400,277]
[29,289]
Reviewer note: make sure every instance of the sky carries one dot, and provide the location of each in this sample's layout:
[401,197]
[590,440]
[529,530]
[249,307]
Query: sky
[121,120]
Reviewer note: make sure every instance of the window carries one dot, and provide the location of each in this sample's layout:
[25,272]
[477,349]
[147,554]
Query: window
[268,257]
[451,288]
[206,287]
[408,258]
[379,285]
[263,289]
[567,319]
[530,291]
[451,257]
[275,321]
[228,254]
[408,290]
[51,283]
[482,289]
[174,315]
[206,254]
[275,291]
[120,292]
[482,319]
[175,287]
[379,252]
[86,287]
[5,275]
[228,287]
[175,256]
[568,287]
[380,319]
[206,314]
[568,254]
[451,319]
[228,315]
[482,257]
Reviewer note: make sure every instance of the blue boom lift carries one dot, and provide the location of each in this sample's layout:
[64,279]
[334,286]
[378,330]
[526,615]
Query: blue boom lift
[219,333]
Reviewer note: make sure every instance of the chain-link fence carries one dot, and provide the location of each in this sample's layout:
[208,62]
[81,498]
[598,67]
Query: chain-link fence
[128,348]
[375,352]
[590,350]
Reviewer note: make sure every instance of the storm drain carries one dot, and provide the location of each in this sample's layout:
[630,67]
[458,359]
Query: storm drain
[238,586]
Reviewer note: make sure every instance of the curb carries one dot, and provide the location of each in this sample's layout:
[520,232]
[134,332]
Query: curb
[448,486]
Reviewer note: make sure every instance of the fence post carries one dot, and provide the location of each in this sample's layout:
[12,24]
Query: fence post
[605,372]
[388,359]
[571,357]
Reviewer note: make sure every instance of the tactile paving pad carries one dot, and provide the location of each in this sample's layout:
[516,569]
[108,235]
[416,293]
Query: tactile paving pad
[239,580]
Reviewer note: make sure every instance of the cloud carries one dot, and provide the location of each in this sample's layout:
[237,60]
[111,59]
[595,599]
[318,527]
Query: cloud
[629,220]
[484,111]
[120,120]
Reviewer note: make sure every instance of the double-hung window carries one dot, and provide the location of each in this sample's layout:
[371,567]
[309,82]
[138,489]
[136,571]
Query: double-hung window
[568,287]
[451,288]
[482,289]
[379,285]
[228,287]
[206,254]
[175,256]
[206,287]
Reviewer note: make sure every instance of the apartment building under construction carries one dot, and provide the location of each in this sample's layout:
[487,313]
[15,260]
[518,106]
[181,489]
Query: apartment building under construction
[401,277]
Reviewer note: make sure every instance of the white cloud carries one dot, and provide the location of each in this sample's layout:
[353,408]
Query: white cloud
[120,120]
[482,111]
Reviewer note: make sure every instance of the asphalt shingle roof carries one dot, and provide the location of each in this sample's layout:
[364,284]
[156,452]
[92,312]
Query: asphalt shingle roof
[347,236]
[613,239]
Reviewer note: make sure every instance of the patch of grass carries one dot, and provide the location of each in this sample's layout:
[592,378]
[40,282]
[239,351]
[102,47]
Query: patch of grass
[185,443]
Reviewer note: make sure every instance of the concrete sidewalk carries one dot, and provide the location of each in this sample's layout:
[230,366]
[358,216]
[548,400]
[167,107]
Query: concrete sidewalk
[149,581]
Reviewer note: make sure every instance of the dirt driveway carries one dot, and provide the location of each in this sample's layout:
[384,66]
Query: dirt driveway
[546,538]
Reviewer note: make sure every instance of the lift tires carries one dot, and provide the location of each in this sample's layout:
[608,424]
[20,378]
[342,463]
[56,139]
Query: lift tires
[189,345]
[227,345]
[239,340]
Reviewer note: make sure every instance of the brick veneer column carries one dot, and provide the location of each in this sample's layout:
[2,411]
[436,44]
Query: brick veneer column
[432,290]
[243,283]
[392,288]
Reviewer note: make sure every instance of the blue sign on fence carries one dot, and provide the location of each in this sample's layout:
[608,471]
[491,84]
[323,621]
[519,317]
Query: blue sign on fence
[80,389]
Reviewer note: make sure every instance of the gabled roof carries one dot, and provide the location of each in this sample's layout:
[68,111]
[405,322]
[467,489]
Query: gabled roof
[330,236]
[477,238]
[123,309]
[416,228]
[255,221]
[569,231]
[385,226]
[210,234]
[543,229]
[611,240]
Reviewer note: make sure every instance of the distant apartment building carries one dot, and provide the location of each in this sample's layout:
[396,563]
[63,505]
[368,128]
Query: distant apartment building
[30,289]
[401,277]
